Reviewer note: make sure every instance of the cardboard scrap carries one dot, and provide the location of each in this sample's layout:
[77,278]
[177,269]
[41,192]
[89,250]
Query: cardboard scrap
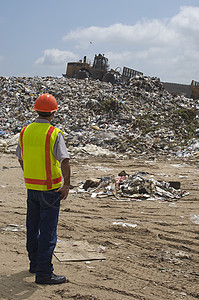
[76,251]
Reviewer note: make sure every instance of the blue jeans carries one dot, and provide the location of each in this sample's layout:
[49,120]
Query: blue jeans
[42,218]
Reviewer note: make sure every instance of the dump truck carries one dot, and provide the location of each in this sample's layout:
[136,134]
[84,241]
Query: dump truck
[98,70]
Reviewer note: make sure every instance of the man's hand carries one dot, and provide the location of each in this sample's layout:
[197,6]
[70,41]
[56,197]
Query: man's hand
[64,190]
[65,168]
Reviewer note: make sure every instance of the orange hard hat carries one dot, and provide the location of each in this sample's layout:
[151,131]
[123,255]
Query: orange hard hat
[46,103]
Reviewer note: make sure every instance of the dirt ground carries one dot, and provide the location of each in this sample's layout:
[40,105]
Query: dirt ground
[157,259]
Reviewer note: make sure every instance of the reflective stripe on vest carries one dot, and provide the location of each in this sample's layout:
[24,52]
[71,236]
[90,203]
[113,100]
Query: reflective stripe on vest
[48,181]
[21,138]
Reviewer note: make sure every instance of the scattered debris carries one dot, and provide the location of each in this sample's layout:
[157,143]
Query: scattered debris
[194,218]
[139,186]
[77,251]
[13,227]
[103,119]
[125,224]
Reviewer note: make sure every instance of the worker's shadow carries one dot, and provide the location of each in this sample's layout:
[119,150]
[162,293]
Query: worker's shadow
[17,286]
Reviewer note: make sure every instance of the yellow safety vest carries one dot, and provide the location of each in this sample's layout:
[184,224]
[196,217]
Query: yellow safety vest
[41,169]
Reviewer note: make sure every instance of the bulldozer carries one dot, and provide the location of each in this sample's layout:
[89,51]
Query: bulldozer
[98,70]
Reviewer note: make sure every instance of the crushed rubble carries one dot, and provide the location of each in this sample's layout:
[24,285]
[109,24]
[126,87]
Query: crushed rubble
[13,227]
[139,186]
[103,119]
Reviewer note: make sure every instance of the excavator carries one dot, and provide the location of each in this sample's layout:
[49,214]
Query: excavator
[98,70]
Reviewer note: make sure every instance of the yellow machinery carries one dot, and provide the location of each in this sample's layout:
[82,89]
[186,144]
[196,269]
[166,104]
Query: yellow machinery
[195,89]
[84,69]
[99,70]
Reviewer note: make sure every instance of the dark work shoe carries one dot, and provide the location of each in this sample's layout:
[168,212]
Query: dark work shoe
[54,279]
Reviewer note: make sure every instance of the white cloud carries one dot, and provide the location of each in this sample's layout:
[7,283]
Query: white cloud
[153,32]
[55,57]
[1,58]
[143,33]
[187,19]
[165,48]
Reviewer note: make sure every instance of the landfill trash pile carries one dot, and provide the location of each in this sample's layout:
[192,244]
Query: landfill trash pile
[139,186]
[137,118]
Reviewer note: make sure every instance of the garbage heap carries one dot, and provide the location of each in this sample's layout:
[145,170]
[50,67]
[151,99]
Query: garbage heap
[138,186]
[138,118]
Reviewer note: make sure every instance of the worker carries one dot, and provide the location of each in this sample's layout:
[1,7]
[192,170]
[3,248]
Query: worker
[40,150]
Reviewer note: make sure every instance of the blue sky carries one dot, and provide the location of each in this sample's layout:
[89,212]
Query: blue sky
[159,38]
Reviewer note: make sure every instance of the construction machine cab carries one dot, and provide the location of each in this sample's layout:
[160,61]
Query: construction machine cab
[100,62]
